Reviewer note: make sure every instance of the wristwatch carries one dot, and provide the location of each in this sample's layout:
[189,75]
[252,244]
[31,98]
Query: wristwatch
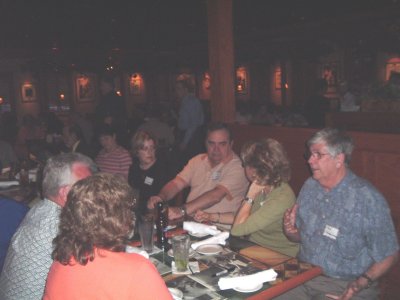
[249,200]
[183,210]
[369,279]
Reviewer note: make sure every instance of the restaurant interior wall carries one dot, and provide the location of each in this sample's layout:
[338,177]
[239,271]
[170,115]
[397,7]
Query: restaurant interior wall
[158,85]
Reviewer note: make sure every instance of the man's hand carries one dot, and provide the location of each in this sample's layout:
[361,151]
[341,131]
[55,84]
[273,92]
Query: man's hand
[353,288]
[202,216]
[153,200]
[174,213]
[289,223]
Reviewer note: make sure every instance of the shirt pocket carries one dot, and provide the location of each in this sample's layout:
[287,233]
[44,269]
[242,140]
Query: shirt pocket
[349,244]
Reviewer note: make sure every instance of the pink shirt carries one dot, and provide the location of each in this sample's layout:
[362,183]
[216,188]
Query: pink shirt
[111,275]
[115,162]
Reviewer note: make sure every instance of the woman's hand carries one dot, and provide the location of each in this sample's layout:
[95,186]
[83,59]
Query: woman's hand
[254,190]
[202,216]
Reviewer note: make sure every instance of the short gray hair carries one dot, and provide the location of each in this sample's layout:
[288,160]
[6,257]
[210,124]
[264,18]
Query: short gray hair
[337,142]
[58,171]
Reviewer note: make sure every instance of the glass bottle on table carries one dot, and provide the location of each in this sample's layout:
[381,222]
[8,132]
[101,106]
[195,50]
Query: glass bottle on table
[161,225]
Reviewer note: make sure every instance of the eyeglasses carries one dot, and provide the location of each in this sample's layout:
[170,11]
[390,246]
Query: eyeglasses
[315,155]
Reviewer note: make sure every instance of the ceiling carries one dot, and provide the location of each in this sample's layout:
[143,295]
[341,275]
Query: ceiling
[133,32]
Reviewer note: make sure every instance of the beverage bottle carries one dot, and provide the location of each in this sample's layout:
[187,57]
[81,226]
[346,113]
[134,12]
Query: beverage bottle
[161,224]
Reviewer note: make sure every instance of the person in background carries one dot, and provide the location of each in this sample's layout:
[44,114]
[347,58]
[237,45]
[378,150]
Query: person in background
[29,255]
[155,125]
[7,155]
[216,179]
[348,101]
[85,124]
[111,109]
[342,223]
[190,120]
[74,140]
[31,130]
[317,105]
[269,196]
[147,174]
[90,261]
[112,157]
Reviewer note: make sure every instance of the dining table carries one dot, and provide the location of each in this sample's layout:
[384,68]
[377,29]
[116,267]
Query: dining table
[13,188]
[249,257]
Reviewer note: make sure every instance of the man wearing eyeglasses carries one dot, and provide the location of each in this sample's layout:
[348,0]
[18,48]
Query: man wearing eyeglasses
[342,223]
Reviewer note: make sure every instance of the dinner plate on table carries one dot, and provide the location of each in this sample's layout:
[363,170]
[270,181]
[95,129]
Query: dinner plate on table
[209,249]
[198,234]
[249,289]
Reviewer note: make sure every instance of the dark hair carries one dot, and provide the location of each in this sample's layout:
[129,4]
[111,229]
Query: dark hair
[76,129]
[106,129]
[214,126]
[269,159]
[98,214]
[187,83]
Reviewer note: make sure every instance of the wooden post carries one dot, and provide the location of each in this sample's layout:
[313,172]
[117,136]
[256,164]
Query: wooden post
[221,60]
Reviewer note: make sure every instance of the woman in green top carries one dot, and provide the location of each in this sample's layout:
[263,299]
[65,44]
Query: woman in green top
[260,216]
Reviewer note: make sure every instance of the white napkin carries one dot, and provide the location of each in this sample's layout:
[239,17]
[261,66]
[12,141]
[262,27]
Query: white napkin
[216,239]
[131,249]
[6,184]
[199,228]
[247,281]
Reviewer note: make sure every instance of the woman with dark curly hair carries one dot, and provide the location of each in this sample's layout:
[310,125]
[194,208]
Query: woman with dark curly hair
[89,258]
[261,213]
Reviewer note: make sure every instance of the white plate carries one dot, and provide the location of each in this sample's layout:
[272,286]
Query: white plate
[248,290]
[209,249]
[176,294]
[198,234]
[171,252]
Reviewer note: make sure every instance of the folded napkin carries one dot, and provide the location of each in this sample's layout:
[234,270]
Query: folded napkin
[131,249]
[199,228]
[7,184]
[219,238]
[247,281]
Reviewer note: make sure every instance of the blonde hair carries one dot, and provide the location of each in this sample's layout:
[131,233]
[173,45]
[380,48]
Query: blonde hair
[269,159]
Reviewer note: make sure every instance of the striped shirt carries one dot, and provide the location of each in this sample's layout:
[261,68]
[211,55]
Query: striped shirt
[116,162]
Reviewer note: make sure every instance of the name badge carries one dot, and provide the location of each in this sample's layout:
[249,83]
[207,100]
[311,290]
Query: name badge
[148,180]
[215,175]
[331,232]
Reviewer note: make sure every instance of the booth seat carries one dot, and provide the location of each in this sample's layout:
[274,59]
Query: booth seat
[376,157]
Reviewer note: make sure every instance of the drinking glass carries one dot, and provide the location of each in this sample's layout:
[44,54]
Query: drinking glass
[180,247]
[146,231]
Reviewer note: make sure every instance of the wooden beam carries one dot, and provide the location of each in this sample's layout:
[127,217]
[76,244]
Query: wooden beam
[221,60]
